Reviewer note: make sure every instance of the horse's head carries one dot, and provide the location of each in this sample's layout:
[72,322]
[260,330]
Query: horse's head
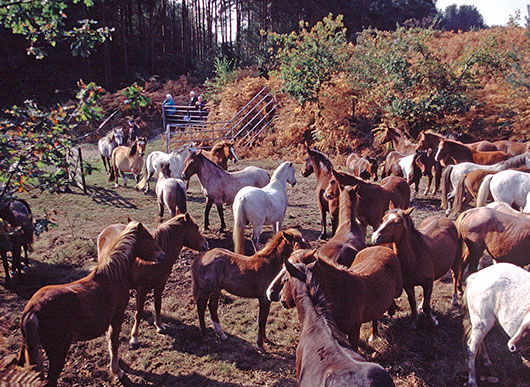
[287,168]
[349,195]
[230,152]
[6,212]
[441,152]
[146,247]
[332,190]
[193,238]
[422,159]
[395,222]
[307,168]
[118,135]
[192,164]
[141,143]
[372,162]
[165,170]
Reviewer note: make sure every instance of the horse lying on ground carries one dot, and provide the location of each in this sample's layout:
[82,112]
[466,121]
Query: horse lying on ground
[128,159]
[323,356]
[498,294]
[107,144]
[57,315]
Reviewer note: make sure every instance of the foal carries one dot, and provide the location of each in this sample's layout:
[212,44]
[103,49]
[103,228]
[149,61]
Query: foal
[170,192]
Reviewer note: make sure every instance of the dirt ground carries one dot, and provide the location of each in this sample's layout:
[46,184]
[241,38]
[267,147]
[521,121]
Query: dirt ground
[180,357]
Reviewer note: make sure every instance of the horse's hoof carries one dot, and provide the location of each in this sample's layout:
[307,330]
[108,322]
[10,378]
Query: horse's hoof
[146,192]
[116,185]
[271,343]
[223,337]
[134,343]
[161,329]
[372,338]
[206,228]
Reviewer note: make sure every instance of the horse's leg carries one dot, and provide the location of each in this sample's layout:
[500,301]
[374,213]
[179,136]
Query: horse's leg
[213,304]
[160,327]
[256,232]
[141,293]
[437,177]
[105,163]
[113,338]
[456,271]
[124,177]
[201,309]
[263,314]
[322,222]
[221,216]
[160,211]
[412,302]
[209,204]
[429,177]
[353,336]
[476,339]
[6,266]
[373,333]
[57,359]
[426,303]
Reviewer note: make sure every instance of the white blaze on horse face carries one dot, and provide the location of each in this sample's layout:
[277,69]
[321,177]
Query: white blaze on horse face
[437,155]
[233,152]
[377,234]
[278,277]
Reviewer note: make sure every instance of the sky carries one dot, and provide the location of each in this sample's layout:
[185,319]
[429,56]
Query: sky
[495,12]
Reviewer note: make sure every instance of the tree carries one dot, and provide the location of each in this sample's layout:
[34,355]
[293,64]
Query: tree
[463,18]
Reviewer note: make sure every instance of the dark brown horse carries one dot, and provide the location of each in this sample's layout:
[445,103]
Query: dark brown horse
[505,237]
[374,198]
[242,276]
[426,253]
[363,167]
[221,152]
[57,315]
[349,238]
[460,152]
[356,295]
[399,141]
[429,141]
[10,241]
[171,236]
[316,162]
[323,355]
[17,213]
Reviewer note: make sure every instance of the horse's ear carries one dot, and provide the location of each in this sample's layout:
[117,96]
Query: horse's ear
[140,227]
[129,220]
[408,211]
[187,216]
[294,271]
[391,205]
[287,236]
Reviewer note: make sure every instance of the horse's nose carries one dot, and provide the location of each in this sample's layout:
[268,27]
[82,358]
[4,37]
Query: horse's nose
[160,257]
[142,154]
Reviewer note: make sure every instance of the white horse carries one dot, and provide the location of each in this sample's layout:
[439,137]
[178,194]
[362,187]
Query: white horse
[453,174]
[175,159]
[262,206]
[497,294]
[107,144]
[508,186]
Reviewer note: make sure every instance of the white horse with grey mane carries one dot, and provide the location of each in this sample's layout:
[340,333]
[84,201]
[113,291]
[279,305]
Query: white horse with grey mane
[106,145]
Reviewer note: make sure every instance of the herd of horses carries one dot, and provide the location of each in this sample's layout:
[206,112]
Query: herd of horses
[336,287]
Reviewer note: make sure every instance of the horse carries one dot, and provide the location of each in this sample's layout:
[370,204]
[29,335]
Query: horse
[242,276]
[128,159]
[400,142]
[363,167]
[221,152]
[175,160]
[17,213]
[505,236]
[467,189]
[261,206]
[406,166]
[392,164]
[513,148]
[358,294]
[495,295]
[428,141]
[460,152]
[107,144]
[316,162]
[323,355]
[10,241]
[507,186]
[220,186]
[57,315]
[374,198]
[349,238]
[171,236]
[426,253]
[170,192]
[425,162]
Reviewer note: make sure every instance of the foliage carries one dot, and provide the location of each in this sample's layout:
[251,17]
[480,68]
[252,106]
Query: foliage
[135,97]
[461,18]
[225,74]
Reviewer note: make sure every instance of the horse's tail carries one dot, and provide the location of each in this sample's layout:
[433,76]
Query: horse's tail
[113,171]
[239,225]
[460,190]
[483,191]
[466,321]
[30,353]
[446,179]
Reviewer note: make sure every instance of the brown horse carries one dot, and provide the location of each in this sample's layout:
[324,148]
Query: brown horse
[513,148]
[374,198]
[429,141]
[392,166]
[242,276]
[323,356]
[356,295]
[399,141]
[221,152]
[505,237]
[363,167]
[57,315]
[128,159]
[10,241]
[426,253]
[460,152]
[316,162]
[467,189]
[17,213]
[349,238]
[170,236]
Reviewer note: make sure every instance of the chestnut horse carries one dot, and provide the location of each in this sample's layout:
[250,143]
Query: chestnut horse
[83,310]
[363,167]
[220,186]
[316,162]
[242,276]
[460,152]
[358,294]
[506,237]
[513,148]
[323,355]
[170,236]
[374,198]
[221,152]
[426,253]
[128,159]
[428,141]
[399,141]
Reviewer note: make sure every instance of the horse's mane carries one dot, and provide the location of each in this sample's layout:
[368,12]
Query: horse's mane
[183,148]
[217,146]
[116,263]
[275,241]
[515,161]
[323,159]
[165,233]
[204,158]
[133,148]
[345,204]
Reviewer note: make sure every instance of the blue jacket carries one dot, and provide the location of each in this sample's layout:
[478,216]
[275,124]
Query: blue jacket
[167,104]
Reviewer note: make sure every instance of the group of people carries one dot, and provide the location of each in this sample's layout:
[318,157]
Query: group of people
[196,102]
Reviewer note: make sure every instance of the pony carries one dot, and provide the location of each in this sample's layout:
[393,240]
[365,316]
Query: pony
[507,186]
[392,164]
[497,294]
[242,276]
[316,162]
[10,240]
[424,160]
[363,167]
[57,315]
[460,152]
[128,159]
[426,253]
[261,206]
[358,294]
[400,142]
[171,236]
[221,152]
[428,141]
[107,144]
[505,236]
[17,213]
[170,192]
[220,186]
[513,148]
[175,160]
[374,198]
[323,355]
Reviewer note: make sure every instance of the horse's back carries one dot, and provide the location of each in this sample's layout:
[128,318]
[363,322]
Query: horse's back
[371,375]
[258,176]
[106,239]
